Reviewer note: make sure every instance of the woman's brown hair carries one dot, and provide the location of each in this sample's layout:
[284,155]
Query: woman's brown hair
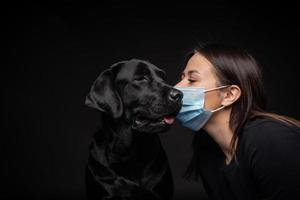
[236,66]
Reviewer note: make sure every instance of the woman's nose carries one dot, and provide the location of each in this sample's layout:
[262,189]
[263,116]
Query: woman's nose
[179,84]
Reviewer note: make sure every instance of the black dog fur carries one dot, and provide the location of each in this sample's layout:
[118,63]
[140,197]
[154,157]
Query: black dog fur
[126,158]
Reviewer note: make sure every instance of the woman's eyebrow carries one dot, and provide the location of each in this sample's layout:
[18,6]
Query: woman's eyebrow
[193,72]
[190,72]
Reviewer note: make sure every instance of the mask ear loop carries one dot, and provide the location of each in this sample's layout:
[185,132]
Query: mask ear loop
[216,88]
[221,87]
[217,109]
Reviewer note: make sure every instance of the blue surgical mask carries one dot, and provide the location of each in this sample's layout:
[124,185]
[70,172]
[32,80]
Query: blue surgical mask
[192,114]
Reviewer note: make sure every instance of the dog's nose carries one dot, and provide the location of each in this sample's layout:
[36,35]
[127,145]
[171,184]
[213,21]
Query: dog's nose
[175,95]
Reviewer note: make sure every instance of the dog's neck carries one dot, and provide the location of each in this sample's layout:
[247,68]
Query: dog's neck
[123,145]
[120,138]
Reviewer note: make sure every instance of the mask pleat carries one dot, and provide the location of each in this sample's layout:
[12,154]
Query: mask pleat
[188,116]
[189,108]
[198,122]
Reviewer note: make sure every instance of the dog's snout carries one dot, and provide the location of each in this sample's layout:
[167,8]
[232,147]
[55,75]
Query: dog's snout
[175,95]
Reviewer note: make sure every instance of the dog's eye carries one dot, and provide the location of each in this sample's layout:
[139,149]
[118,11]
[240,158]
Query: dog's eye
[141,79]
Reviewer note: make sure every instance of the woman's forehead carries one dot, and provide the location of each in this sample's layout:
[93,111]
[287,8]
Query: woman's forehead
[199,64]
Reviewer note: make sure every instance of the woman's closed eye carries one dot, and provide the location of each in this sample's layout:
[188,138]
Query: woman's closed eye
[192,80]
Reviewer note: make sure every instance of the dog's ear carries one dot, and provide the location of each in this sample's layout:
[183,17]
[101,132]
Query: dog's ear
[103,95]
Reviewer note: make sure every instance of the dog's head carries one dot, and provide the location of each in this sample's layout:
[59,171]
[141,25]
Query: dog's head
[135,91]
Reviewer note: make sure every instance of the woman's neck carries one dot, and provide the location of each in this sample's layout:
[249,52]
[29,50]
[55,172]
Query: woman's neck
[218,128]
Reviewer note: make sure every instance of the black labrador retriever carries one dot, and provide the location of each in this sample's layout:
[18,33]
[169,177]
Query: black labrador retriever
[126,158]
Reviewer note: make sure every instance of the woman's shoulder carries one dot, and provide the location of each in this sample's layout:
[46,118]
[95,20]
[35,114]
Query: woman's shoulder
[268,150]
[260,127]
[269,132]
[264,142]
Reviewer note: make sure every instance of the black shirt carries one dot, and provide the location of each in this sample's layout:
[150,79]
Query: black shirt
[266,165]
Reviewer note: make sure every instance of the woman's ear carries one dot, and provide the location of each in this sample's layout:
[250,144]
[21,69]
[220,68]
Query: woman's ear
[231,95]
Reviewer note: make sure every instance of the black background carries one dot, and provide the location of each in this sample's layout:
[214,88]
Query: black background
[55,51]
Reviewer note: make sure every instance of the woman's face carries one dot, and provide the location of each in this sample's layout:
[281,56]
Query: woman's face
[199,72]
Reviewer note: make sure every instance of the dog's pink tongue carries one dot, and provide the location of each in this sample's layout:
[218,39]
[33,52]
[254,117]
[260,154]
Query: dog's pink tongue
[169,120]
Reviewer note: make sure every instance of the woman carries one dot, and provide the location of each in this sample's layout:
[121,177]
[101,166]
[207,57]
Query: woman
[240,150]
